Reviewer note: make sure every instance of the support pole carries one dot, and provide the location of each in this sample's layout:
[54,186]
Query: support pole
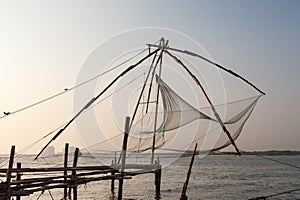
[112,186]
[185,185]
[90,102]
[65,171]
[74,178]
[211,62]
[152,67]
[157,180]
[124,148]
[162,44]
[8,174]
[208,100]
[19,165]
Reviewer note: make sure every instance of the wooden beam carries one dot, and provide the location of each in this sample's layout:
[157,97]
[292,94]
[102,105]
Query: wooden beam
[74,177]
[185,185]
[19,165]
[124,148]
[58,169]
[157,180]
[9,171]
[65,171]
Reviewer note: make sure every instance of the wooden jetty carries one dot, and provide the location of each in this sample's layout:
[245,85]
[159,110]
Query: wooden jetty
[26,181]
[30,180]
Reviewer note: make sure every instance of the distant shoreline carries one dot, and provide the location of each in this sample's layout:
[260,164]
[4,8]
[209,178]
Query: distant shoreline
[189,153]
[261,153]
[258,153]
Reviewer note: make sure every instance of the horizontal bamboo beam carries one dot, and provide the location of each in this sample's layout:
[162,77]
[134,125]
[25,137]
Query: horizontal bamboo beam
[38,184]
[40,179]
[81,168]
[135,166]
[52,184]
[109,177]
[58,169]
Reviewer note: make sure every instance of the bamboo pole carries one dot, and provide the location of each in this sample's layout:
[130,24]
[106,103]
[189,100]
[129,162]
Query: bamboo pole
[135,166]
[112,186]
[79,181]
[124,148]
[185,185]
[152,66]
[41,179]
[90,102]
[58,169]
[27,186]
[208,100]
[19,165]
[65,171]
[9,170]
[157,180]
[211,62]
[162,44]
[38,184]
[74,177]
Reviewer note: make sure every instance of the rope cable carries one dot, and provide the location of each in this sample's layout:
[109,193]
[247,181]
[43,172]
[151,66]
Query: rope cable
[19,153]
[208,99]
[211,62]
[70,89]
[90,102]
[130,82]
[271,159]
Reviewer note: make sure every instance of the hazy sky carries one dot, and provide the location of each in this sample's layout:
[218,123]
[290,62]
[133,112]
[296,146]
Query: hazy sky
[43,45]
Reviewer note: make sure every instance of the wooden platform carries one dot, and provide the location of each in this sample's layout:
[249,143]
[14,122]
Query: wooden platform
[26,181]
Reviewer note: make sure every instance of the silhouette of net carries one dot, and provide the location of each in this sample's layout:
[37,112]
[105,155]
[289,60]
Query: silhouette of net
[178,113]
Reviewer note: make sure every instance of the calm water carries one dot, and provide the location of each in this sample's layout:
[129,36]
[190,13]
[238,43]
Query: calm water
[213,177]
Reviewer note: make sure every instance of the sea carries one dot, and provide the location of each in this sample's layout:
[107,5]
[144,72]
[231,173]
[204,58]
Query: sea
[212,177]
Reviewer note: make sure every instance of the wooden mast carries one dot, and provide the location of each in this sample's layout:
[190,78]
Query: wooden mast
[209,101]
[163,44]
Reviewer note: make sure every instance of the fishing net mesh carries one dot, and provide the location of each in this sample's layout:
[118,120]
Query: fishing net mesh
[178,113]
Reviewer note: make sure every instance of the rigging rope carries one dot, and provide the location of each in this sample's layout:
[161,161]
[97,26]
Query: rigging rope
[6,114]
[211,62]
[128,83]
[177,113]
[19,153]
[271,159]
[89,103]
[208,99]
[152,67]
[168,91]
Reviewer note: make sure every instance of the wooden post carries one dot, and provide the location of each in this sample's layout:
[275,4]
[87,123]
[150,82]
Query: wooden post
[8,174]
[74,178]
[124,148]
[157,180]
[19,165]
[112,187]
[185,185]
[162,45]
[65,171]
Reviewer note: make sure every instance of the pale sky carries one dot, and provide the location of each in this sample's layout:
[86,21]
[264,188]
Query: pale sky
[43,45]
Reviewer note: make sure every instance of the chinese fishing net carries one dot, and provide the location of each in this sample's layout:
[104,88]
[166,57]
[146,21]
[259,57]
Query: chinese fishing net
[178,113]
